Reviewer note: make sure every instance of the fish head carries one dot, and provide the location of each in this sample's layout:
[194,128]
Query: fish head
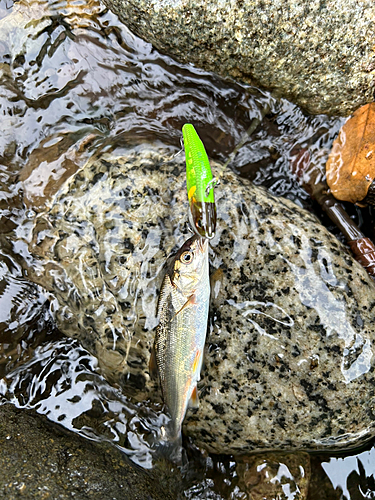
[189,265]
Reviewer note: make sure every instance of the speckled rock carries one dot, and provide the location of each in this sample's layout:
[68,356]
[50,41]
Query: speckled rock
[39,459]
[319,55]
[289,361]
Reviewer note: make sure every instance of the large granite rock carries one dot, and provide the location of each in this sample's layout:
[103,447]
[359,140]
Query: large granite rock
[289,361]
[319,55]
[41,460]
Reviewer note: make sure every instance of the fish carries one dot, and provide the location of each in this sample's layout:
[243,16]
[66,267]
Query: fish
[180,336]
[202,214]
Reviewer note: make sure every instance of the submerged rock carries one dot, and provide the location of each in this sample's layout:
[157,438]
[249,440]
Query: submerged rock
[289,360]
[319,55]
[275,475]
[39,459]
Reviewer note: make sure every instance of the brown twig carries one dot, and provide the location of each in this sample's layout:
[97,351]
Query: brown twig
[312,181]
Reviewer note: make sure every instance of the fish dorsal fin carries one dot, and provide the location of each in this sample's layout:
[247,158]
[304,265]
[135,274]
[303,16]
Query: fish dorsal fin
[152,365]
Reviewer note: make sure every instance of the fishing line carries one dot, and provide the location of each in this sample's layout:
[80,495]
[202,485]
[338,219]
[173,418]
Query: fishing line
[253,125]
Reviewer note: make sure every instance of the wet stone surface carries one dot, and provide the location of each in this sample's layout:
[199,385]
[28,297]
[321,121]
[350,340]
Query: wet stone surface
[289,356]
[275,475]
[41,460]
[317,54]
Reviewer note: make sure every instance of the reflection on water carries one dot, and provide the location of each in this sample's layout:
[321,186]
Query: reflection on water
[268,309]
[61,381]
[315,293]
[74,81]
[23,317]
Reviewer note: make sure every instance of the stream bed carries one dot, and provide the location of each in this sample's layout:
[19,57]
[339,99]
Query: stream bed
[75,82]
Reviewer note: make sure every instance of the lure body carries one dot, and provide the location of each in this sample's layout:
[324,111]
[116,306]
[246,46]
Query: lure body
[198,176]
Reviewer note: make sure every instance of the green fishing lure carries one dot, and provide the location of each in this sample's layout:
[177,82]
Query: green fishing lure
[198,177]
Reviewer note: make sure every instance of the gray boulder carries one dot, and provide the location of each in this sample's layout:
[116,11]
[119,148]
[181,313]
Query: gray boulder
[318,55]
[289,361]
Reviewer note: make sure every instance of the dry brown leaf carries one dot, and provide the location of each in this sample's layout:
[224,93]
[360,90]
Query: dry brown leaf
[350,168]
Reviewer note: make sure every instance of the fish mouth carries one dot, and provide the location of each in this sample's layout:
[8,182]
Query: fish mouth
[202,244]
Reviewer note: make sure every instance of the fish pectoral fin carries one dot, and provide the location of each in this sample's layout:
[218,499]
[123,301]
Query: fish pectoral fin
[191,301]
[152,365]
[194,400]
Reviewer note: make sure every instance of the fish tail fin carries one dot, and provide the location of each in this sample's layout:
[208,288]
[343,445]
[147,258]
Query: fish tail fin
[170,446]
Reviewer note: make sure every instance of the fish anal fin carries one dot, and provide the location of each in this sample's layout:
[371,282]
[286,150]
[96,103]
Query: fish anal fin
[196,361]
[152,365]
[194,400]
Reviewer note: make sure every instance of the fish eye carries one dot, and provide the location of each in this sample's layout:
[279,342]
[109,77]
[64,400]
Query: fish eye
[186,258]
[199,223]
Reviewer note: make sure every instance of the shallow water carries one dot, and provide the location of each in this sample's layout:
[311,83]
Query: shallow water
[74,81]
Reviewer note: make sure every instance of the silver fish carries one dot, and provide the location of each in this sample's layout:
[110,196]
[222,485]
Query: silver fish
[180,336]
